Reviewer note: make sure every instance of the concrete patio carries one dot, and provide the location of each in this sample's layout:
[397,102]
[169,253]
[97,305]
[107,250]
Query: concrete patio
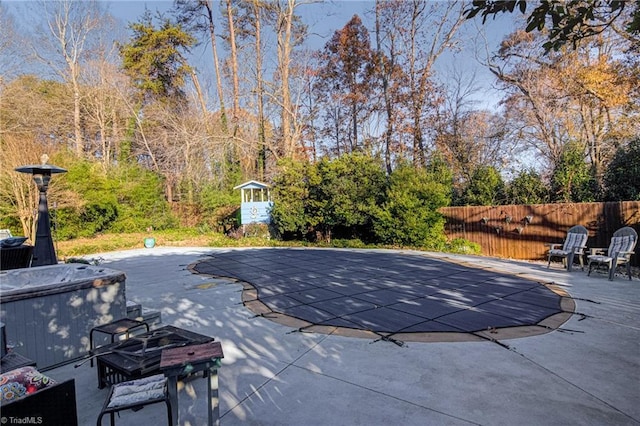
[587,372]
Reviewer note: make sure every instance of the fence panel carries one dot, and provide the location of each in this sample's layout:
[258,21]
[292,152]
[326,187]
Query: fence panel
[521,231]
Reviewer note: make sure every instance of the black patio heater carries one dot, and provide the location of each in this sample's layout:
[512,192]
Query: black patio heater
[43,253]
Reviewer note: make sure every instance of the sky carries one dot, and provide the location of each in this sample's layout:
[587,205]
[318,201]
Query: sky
[325,17]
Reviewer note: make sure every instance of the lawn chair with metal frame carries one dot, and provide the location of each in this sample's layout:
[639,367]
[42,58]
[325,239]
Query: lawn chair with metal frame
[574,245]
[619,252]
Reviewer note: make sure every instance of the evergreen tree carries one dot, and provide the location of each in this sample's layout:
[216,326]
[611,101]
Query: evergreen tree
[155,60]
[485,188]
[527,188]
[409,215]
[622,178]
[572,179]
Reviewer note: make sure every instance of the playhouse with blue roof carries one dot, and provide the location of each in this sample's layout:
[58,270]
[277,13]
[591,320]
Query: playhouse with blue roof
[255,204]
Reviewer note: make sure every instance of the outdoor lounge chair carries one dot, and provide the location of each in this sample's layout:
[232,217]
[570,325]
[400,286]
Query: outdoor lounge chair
[574,244]
[619,252]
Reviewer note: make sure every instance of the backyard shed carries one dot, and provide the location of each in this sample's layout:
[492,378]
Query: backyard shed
[255,204]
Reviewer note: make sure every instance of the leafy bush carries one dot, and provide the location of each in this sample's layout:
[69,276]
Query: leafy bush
[328,199]
[91,201]
[217,204]
[350,199]
[141,200]
[409,215]
[485,188]
[292,213]
[349,191]
[462,246]
[527,188]
[89,205]
[622,178]
[572,179]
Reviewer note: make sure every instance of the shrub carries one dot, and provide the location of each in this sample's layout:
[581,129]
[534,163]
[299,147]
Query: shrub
[527,188]
[217,205]
[572,179]
[462,246]
[622,178]
[88,204]
[485,188]
[291,214]
[350,189]
[409,215]
[126,198]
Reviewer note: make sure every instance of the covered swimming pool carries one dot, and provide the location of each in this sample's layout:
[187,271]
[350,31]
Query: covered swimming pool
[393,295]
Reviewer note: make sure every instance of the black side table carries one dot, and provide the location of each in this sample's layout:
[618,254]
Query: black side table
[185,360]
[116,328]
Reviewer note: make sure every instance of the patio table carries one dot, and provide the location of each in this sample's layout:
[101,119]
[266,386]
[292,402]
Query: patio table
[140,355]
[187,360]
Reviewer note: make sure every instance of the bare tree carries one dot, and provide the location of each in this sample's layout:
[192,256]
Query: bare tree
[69,25]
[198,16]
[249,26]
[18,195]
[261,162]
[422,32]
[289,33]
[388,48]
[10,46]
[284,27]
[570,96]
[467,136]
[104,112]
[347,73]
[10,52]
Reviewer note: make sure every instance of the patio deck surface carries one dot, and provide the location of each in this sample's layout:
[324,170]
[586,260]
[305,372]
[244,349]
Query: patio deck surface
[585,372]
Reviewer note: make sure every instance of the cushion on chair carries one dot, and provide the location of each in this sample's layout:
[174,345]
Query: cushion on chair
[619,244]
[574,240]
[558,252]
[599,258]
[136,391]
[23,381]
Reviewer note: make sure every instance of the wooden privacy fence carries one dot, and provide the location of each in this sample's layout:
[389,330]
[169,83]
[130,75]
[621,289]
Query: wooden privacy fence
[521,231]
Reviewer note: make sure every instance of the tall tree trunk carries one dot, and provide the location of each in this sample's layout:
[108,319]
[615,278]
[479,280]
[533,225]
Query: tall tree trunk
[354,117]
[419,159]
[216,64]
[199,94]
[284,30]
[426,29]
[388,133]
[234,69]
[77,124]
[262,142]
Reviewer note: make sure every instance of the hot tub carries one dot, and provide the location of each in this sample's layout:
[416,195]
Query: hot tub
[48,311]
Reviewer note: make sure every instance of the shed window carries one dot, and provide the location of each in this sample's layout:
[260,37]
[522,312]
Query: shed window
[255,195]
